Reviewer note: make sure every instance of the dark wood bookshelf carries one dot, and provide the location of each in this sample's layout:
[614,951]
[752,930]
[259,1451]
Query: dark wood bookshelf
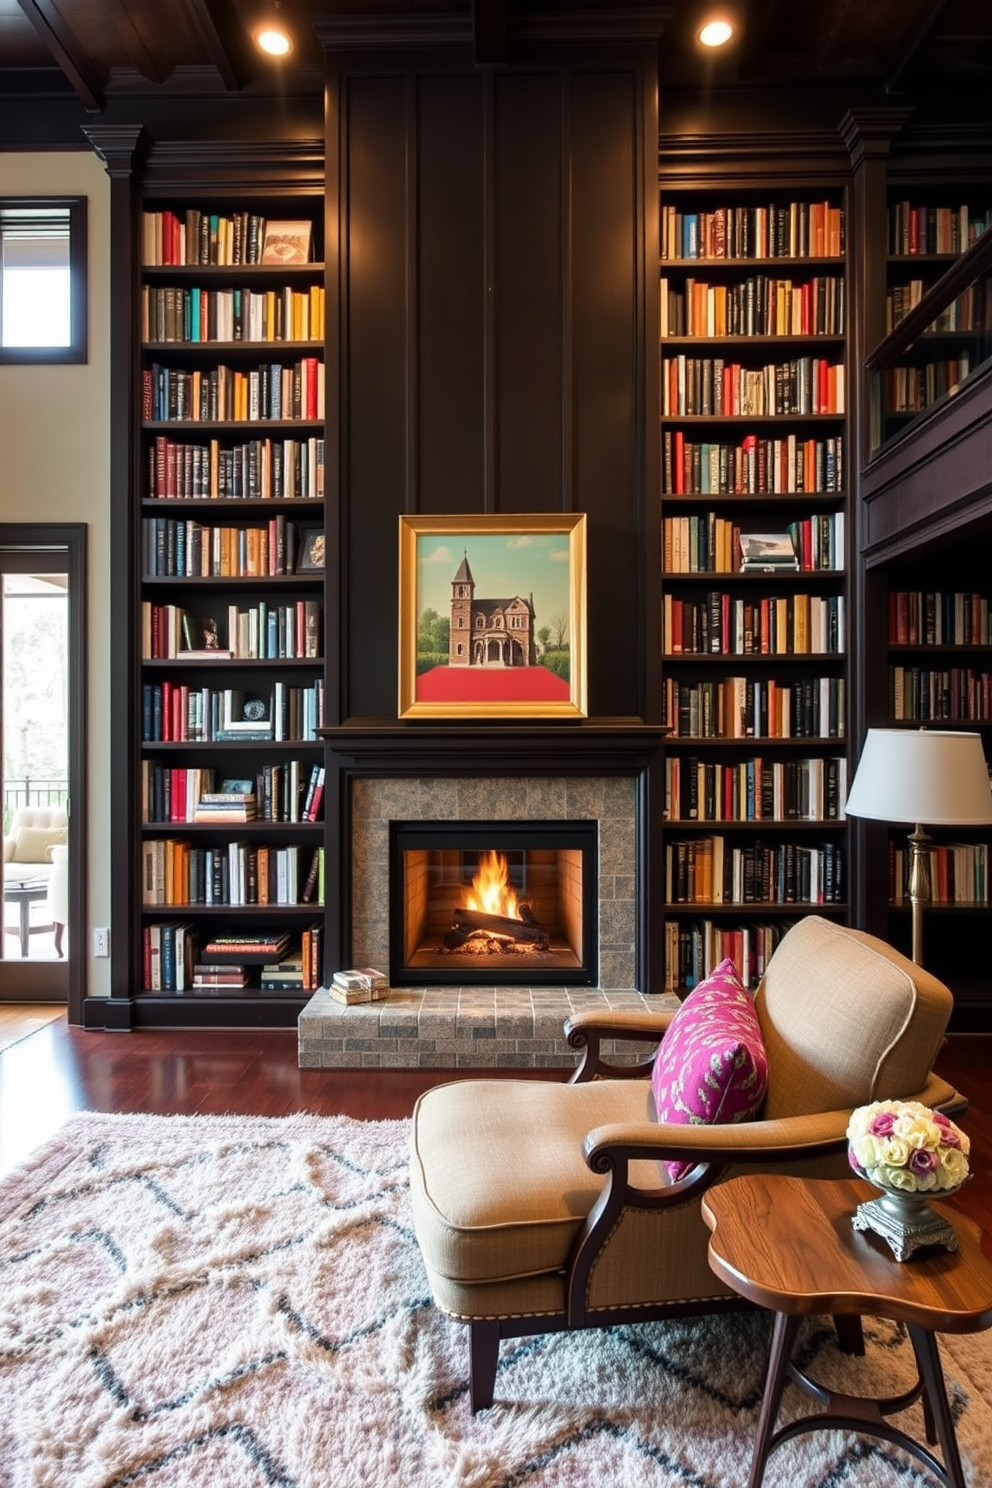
[286,184]
[754,511]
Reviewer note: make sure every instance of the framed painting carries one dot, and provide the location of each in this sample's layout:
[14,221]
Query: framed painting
[492,616]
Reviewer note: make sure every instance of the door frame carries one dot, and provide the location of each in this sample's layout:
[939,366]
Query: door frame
[69,538]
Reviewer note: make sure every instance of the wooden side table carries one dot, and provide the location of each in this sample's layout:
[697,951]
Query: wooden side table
[789,1244]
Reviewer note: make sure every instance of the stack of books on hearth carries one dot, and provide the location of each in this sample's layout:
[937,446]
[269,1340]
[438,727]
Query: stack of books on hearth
[359,984]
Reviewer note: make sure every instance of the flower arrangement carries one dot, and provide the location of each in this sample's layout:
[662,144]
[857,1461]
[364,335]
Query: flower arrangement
[904,1147]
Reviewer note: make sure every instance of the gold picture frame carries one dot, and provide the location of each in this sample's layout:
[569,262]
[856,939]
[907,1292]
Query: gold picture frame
[492,616]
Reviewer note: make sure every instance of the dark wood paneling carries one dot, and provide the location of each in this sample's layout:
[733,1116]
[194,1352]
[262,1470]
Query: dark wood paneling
[933,482]
[375,253]
[529,292]
[449,404]
[604,255]
[492,348]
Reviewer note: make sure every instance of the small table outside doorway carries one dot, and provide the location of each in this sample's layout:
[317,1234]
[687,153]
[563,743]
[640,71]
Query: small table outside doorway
[789,1245]
[24,895]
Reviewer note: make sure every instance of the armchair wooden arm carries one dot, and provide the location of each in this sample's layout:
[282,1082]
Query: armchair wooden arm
[610,1150]
[588,1031]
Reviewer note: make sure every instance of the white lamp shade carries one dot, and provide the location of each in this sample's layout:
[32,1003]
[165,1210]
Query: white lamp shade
[922,776]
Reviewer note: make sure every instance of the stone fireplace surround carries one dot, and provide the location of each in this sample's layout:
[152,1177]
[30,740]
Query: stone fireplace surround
[607,773]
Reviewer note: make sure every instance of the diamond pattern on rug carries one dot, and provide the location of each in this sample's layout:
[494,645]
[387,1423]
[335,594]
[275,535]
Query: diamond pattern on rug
[219,1302]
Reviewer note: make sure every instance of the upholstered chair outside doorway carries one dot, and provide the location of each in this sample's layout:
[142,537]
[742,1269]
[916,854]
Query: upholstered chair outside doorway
[541,1206]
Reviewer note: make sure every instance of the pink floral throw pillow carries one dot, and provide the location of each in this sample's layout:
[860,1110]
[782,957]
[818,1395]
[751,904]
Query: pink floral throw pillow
[711,1067]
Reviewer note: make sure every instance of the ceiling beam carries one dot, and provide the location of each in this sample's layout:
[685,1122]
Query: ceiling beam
[491,30]
[66,50]
[898,63]
[224,37]
[756,24]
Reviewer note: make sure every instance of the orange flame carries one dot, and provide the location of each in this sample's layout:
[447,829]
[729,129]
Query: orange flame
[492,894]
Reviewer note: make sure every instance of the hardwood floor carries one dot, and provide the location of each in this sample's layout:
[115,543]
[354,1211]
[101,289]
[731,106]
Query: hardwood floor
[54,1072]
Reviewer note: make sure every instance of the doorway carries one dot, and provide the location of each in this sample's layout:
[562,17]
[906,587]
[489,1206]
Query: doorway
[42,650]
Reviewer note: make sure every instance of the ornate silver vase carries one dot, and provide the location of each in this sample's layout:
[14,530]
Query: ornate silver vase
[906,1222]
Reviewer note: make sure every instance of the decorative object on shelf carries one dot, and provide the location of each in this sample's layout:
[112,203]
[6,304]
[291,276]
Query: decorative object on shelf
[911,1154]
[492,616]
[935,776]
[768,552]
[286,243]
[311,559]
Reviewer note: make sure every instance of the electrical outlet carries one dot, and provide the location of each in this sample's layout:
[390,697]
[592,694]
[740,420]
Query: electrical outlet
[101,942]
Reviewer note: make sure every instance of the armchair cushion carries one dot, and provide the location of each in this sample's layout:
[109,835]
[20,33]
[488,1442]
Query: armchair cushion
[34,844]
[711,1067]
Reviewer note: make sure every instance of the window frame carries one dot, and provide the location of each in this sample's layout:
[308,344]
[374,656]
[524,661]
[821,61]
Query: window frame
[77,350]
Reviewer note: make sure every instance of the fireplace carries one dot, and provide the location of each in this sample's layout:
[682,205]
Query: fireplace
[494,903]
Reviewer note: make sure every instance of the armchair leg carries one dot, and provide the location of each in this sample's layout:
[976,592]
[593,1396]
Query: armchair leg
[483,1359]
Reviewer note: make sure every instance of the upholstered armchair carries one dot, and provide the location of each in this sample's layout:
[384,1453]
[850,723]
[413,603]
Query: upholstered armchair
[34,831]
[541,1206]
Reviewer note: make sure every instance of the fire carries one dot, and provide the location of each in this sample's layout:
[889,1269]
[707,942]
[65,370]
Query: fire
[491,892]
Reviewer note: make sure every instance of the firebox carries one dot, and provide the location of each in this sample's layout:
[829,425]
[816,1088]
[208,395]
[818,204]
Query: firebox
[493,903]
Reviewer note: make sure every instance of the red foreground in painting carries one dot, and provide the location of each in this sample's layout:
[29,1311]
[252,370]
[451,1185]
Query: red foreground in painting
[491,685]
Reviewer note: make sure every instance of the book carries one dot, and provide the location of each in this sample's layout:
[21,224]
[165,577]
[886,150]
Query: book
[283,976]
[237,977]
[310,885]
[245,949]
[359,984]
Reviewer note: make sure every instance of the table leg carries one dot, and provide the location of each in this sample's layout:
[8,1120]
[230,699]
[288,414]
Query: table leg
[784,1333]
[935,1392]
[25,928]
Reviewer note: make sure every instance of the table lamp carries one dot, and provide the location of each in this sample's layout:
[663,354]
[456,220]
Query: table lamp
[921,775]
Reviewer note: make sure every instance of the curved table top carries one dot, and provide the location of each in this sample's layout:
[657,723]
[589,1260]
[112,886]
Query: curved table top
[789,1244]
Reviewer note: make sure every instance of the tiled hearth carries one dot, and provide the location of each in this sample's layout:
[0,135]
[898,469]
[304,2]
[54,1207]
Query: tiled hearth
[480,1026]
[460,1028]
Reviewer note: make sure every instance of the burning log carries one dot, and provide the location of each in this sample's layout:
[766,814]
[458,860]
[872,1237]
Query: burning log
[469,922]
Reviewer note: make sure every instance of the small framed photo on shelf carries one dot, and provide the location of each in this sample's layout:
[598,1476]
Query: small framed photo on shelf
[768,552]
[237,787]
[287,242]
[311,557]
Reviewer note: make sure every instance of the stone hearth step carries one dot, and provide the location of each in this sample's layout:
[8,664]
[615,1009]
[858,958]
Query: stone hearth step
[461,1028]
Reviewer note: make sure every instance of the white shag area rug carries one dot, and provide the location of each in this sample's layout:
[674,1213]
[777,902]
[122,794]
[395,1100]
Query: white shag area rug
[226,1302]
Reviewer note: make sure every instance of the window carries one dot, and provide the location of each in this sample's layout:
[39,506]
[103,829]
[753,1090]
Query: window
[43,279]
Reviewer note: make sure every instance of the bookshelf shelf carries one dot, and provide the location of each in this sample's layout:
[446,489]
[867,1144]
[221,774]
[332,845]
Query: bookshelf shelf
[762,907]
[783,264]
[762,420]
[260,427]
[747,342]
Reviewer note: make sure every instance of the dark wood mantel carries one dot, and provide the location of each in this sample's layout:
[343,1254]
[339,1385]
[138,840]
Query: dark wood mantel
[595,747]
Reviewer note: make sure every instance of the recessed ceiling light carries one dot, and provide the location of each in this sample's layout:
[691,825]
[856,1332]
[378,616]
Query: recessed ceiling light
[716,33]
[272,36]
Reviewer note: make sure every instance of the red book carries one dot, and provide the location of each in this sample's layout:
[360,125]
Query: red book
[313,812]
[675,639]
[679,463]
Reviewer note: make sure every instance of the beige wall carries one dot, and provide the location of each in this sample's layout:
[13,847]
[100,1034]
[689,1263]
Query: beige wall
[55,467]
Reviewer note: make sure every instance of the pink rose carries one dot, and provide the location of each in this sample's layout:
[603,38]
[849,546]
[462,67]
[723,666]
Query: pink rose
[922,1162]
[882,1124]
